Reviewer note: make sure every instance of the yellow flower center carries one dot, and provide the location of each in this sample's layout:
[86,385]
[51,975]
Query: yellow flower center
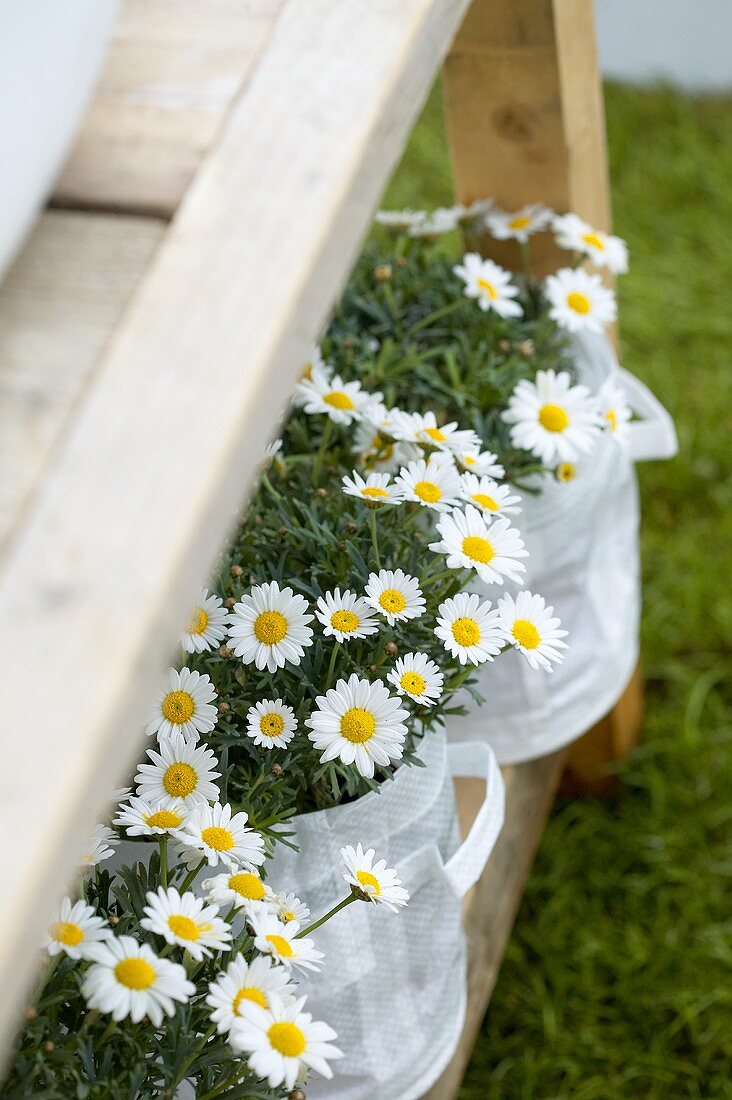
[247,886]
[488,288]
[135,973]
[469,460]
[526,634]
[478,549]
[67,932]
[163,819]
[307,372]
[392,600]
[358,725]
[594,241]
[199,621]
[374,493]
[272,724]
[435,435]
[413,683]
[249,993]
[180,780]
[553,418]
[580,303]
[428,491]
[485,501]
[522,222]
[183,927]
[287,916]
[367,879]
[178,707]
[612,419]
[466,632]
[338,400]
[270,627]
[281,945]
[217,838]
[565,471]
[287,1039]
[345,621]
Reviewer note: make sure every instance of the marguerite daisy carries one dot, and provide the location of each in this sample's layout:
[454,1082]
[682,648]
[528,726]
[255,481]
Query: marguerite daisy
[374,441]
[98,847]
[375,881]
[530,627]
[271,724]
[396,595]
[358,723]
[180,770]
[489,497]
[615,410]
[443,219]
[492,551]
[288,907]
[481,463]
[424,430]
[374,489]
[140,818]
[185,707]
[221,836]
[207,626]
[490,284]
[469,629]
[273,937]
[399,220]
[269,627]
[433,483]
[186,921]
[345,616]
[341,401]
[283,1042]
[242,889]
[128,979]
[520,225]
[418,677]
[603,249]
[75,928]
[579,301]
[553,419]
[242,981]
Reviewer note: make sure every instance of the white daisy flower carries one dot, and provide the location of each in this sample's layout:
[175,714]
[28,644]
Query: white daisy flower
[566,471]
[243,889]
[374,489]
[434,483]
[186,706]
[98,848]
[423,429]
[271,451]
[469,629]
[358,723]
[242,981]
[492,551]
[553,419]
[395,595]
[74,929]
[288,907]
[443,219]
[186,921]
[520,225]
[345,616]
[273,937]
[271,724]
[481,463]
[603,249]
[400,220]
[269,627]
[128,979]
[207,626]
[222,837]
[341,401]
[490,284]
[489,497]
[180,770]
[418,677]
[530,627]
[284,1042]
[579,301]
[615,410]
[141,818]
[377,882]
[375,444]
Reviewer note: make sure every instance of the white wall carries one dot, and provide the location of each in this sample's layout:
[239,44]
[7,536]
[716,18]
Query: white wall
[688,42]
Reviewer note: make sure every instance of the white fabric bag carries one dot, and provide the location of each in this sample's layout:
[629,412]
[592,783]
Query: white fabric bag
[393,985]
[583,545]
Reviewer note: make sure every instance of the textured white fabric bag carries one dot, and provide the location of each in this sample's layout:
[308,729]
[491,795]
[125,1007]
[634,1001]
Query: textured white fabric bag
[583,545]
[393,985]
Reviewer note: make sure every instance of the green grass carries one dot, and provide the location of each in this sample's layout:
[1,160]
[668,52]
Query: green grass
[618,978]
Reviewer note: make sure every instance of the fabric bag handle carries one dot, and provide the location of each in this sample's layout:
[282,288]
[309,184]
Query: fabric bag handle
[475,760]
[654,436]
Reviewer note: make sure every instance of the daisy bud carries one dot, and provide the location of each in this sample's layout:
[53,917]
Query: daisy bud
[504,345]
[351,528]
[373,668]
[382,273]
[30,1013]
[276,770]
[228,604]
[113,921]
[296,1094]
[281,530]
[391,649]
[224,651]
[321,493]
[223,708]
[49,1046]
[236,571]
[526,347]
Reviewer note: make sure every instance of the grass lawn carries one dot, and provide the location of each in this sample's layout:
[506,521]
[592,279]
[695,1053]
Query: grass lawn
[618,978]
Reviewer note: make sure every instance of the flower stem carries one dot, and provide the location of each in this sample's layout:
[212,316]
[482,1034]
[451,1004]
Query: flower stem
[331,913]
[322,449]
[374,536]
[164,861]
[180,1075]
[331,666]
[186,884]
[436,316]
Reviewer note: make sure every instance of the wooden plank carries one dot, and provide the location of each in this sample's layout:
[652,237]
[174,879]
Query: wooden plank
[174,69]
[611,739]
[525,115]
[492,905]
[99,579]
[58,305]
